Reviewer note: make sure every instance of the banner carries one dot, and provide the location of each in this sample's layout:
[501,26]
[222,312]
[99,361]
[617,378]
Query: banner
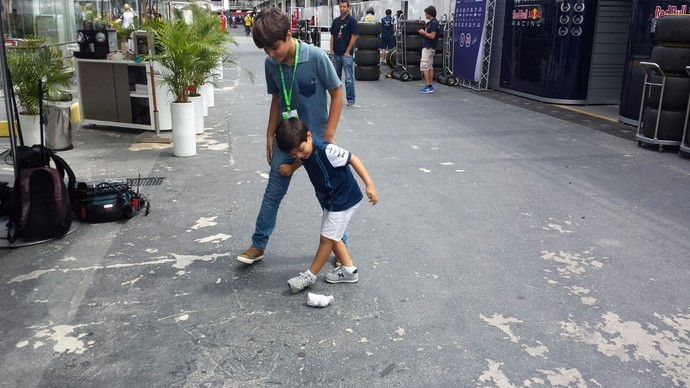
[468,38]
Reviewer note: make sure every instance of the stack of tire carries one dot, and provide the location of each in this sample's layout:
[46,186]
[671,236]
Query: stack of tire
[411,50]
[367,51]
[438,56]
[672,55]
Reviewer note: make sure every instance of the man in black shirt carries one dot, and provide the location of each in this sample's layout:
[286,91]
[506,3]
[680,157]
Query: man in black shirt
[430,35]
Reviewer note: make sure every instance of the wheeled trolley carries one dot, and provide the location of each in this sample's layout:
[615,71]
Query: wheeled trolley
[652,70]
[400,71]
[446,76]
[685,141]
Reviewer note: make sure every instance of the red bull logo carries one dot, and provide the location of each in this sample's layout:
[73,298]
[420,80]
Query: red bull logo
[527,17]
[535,14]
[671,10]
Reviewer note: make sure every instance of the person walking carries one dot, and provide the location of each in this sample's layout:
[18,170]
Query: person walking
[248,21]
[343,37]
[430,34]
[329,171]
[299,78]
[387,32]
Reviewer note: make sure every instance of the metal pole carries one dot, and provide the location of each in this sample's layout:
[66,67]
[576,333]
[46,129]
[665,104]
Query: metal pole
[9,97]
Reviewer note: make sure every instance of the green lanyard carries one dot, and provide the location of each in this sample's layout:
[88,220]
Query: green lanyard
[286,94]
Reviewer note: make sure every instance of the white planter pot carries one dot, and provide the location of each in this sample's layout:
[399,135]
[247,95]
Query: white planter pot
[204,103]
[31,129]
[198,113]
[209,94]
[183,130]
[219,69]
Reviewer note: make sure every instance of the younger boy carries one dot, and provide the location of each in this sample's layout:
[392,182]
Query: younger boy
[328,168]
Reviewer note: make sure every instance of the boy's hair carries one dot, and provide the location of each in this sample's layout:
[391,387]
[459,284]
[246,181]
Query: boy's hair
[291,133]
[431,10]
[388,11]
[270,26]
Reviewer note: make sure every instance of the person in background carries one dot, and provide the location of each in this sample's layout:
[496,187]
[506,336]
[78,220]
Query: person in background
[430,34]
[387,32]
[343,37]
[369,17]
[127,18]
[299,78]
[248,21]
[223,21]
[328,167]
[154,14]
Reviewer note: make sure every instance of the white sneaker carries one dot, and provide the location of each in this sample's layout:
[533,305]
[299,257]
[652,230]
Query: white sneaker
[339,275]
[299,283]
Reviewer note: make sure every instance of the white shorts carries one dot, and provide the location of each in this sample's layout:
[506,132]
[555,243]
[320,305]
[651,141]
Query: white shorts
[427,62]
[334,224]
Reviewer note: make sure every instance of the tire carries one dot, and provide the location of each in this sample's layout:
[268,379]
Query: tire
[391,58]
[438,60]
[411,27]
[441,78]
[673,29]
[413,58]
[676,92]
[367,73]
[453,80]
[672,60]
[412,42]
[369,29]
[368,42]
[367,57]
[670,124]
[395,73]
[415,72]
[441,30]
[405,76]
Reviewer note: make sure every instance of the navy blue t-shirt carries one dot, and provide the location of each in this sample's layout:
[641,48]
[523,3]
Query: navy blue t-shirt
[342,31]
[387,26]
[329,170]
[431,26]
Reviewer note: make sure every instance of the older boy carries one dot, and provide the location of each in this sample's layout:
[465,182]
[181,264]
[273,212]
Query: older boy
[297,76]
[337,190]
[430,34]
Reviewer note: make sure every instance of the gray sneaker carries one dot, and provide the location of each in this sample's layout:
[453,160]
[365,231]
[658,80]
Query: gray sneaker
[251,255]
[299,283]
[350,102]
[339,275]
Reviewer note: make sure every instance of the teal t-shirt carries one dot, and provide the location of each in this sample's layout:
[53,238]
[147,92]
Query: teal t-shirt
[315,77]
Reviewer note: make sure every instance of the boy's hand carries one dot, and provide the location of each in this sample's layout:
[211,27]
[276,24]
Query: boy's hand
[371,194]
[285,169]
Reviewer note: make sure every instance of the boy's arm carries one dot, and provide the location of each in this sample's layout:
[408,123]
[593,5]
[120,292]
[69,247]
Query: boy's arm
[362,172]
[273,115]
[333,113]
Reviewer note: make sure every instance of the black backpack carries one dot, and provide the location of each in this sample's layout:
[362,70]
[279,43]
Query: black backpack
[42,202]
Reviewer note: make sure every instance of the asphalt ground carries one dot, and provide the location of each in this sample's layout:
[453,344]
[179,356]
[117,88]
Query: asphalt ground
[510,248]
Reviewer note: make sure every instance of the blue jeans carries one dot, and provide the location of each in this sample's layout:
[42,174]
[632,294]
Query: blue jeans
[275,191]
[346,62]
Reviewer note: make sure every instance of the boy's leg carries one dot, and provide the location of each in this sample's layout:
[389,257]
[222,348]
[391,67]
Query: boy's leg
[326,246]
[266,220]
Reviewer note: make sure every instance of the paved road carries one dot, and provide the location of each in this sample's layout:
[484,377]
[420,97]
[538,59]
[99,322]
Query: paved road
[509,249]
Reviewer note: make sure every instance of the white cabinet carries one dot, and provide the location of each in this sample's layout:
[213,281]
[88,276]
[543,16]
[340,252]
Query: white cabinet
[118,93]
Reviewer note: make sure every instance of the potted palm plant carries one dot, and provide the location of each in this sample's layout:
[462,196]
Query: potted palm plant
[29,64]
[176,54]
